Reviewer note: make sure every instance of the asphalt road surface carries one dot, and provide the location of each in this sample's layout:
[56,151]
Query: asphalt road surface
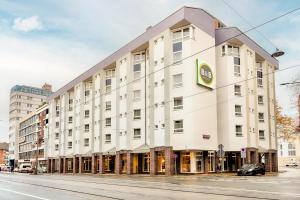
[74,187]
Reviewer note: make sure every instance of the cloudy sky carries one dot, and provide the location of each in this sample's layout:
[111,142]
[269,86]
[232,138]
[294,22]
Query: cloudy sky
[53,41]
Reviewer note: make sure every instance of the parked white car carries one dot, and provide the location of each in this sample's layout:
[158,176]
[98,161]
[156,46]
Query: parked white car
[25,168]
[292,164]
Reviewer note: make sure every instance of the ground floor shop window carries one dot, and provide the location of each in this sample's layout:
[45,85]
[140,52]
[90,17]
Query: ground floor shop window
[224,161]
[233,162]
[199,162]
[87,164]
[211,161]
[123,163]
[146,162]
[186,162]
[109,164]
[70,165]
[160,162]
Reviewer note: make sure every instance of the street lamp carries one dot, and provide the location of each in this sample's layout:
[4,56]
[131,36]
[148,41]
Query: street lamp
[277,53]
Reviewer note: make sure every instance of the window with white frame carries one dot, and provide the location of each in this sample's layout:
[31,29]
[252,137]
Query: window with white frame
[178,126]
[86,113]
[107,138]
[233,51]
[137,133]
[56,135]
[137,60]
[70,132]
[137,95]
[259,75]
[69,145]
[108,105]
[108,85]
[108,122]
[56,147]
[178,103]
[292,149]
[177,80]
[238,110]
[137,114]
[238,130]
[70,120]
[136,70]
[86,128]
[260,99]
[261,134]
[237,90]
[86,142]
[261,117]
[237,66]
[178,37]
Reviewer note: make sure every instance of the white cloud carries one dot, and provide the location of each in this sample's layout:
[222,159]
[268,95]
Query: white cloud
[27,24]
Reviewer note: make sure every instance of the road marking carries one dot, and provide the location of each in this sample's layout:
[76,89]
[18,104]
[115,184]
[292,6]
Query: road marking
[24,194]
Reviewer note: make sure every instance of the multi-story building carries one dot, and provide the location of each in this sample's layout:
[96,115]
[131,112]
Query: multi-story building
[167,102]
[33,130]
[23,100]
[3,153]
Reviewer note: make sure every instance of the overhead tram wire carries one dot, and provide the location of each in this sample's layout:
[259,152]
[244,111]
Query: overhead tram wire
[206,91]
[249,23]
[199,52]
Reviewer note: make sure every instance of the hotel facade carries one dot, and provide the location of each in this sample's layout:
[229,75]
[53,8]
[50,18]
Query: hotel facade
[186,96]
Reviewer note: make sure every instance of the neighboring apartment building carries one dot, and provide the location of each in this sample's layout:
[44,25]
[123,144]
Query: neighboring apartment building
[23,100]
[33,129]
[158,106]
[289,149]
[3,153]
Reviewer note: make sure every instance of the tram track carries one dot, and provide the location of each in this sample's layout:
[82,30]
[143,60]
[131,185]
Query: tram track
[141,187]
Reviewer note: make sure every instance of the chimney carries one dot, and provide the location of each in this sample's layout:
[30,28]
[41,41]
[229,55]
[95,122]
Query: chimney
[47,87]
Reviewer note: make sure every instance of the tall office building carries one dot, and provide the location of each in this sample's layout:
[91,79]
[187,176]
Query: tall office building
[23,100]
[189,95]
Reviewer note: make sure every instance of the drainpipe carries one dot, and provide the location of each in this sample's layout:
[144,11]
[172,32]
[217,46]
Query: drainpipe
[145,98]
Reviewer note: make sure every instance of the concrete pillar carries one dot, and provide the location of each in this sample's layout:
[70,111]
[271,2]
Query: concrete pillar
[94,165]
[169,161]
[53,165]
[49,165]
[101,163]
[118,163]
[206,163]
[74,165]
[129,167]
[65,165]
[153,162]
[80,170]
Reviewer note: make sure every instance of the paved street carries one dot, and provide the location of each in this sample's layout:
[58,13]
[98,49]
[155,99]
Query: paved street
[61,187]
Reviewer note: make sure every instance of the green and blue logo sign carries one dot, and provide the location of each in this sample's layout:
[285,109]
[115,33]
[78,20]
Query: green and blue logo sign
[204,74]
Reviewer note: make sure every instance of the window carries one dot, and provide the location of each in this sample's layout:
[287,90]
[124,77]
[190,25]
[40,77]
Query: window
[136,95]
[223,50]
[86,142]
[199,162]
[238,110]
[233,51]
[86,113]
[261,134]
[108,105]
[238,130]
[178,103]
[56,124]
[237,66]
[178,37]
[107,138]
[178,126]
[69,145]
[137,114]
[186,162]
[260,99]
[136,70]
[237,90]
[259,75]
[56,135]
[70,132]
[137,133]
[292,149]
[108,85]
[261,117]
[87,93]
[86,128]
[107,122]
[56,147]
[177,80]
[70,120]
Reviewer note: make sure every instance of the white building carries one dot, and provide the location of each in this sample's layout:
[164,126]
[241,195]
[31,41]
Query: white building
[23,100]
[164,102]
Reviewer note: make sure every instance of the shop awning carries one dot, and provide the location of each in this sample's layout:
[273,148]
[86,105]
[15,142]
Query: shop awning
[111,151]
[142,149]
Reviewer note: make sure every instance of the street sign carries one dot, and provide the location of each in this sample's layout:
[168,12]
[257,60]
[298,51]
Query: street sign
[243,152]
[220,152]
